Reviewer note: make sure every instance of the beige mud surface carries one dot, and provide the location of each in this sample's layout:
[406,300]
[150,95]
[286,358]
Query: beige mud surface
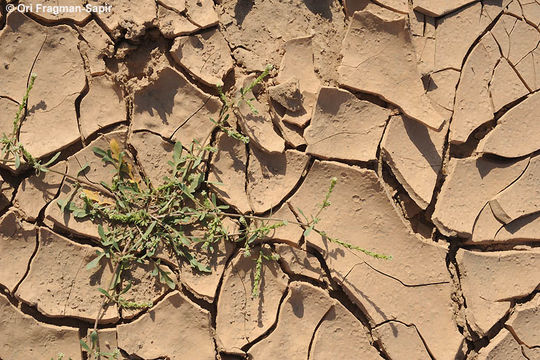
[426,111]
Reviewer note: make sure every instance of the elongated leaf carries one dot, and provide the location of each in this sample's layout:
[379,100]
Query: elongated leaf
[53,159]
[92,264]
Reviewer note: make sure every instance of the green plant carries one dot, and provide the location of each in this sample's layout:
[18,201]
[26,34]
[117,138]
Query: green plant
[181,216]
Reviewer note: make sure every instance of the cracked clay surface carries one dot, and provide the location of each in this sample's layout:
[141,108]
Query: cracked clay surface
[426,111]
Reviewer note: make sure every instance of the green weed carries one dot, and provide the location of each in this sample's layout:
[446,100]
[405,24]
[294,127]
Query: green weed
[141,221]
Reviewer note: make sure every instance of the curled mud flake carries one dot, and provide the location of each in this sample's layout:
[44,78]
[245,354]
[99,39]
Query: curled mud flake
[525,322]
[516,133]
[37,191]
[523,228]
[102,106]
[344,127]
[505,86]
[247,25]
[258,126]
[172,24]
[228,173]
[300,262]
[473,106]
[174,108]
[502,346]
[401,341]
[470,22]
[96,47]
[205,55]
[351,6]
[379,58]
[456,211]
[491,280]
[442,87]
[151,152]
[362,215]
[297,65]
[414,153]
[242,318]
[25,337]
[300,313]
[73,290]
[287,94]
[271,177]
[486,225]
[437,8]
[341,333]
[125,19]
[201,13]
[153,335]
[17,244]
[521,198]
[178,6]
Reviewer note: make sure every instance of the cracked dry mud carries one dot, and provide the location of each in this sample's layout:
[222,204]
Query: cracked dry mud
[426,111]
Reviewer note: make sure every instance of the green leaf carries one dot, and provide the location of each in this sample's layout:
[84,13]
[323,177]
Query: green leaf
[105,292]
[53,159]
[94,338]
[307,231]
[85,345]
[83,169]
[92,264]
[17,161]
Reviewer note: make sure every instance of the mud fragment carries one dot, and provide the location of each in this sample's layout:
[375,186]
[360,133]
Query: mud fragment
[272,177]
[127,20]
[341,333]
[414,153]
[505,86]
[258,126]
[242,318]
[52,54]
[297,65]
[152,154]
[344,127]
[490,280]
[206,56]
[516,131]
[400,340]
[172,24]
[157,333]
[391,74]
[24,337]
[145,287]
[37,191]
[73,290]
[174,108]
[473,106]
[227,175]
[521,198]
[502,346]
[525,322]
[456,210]
[102,106]
[97,46]
[438,8]
[302,310]
[17,244]
[300,262]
